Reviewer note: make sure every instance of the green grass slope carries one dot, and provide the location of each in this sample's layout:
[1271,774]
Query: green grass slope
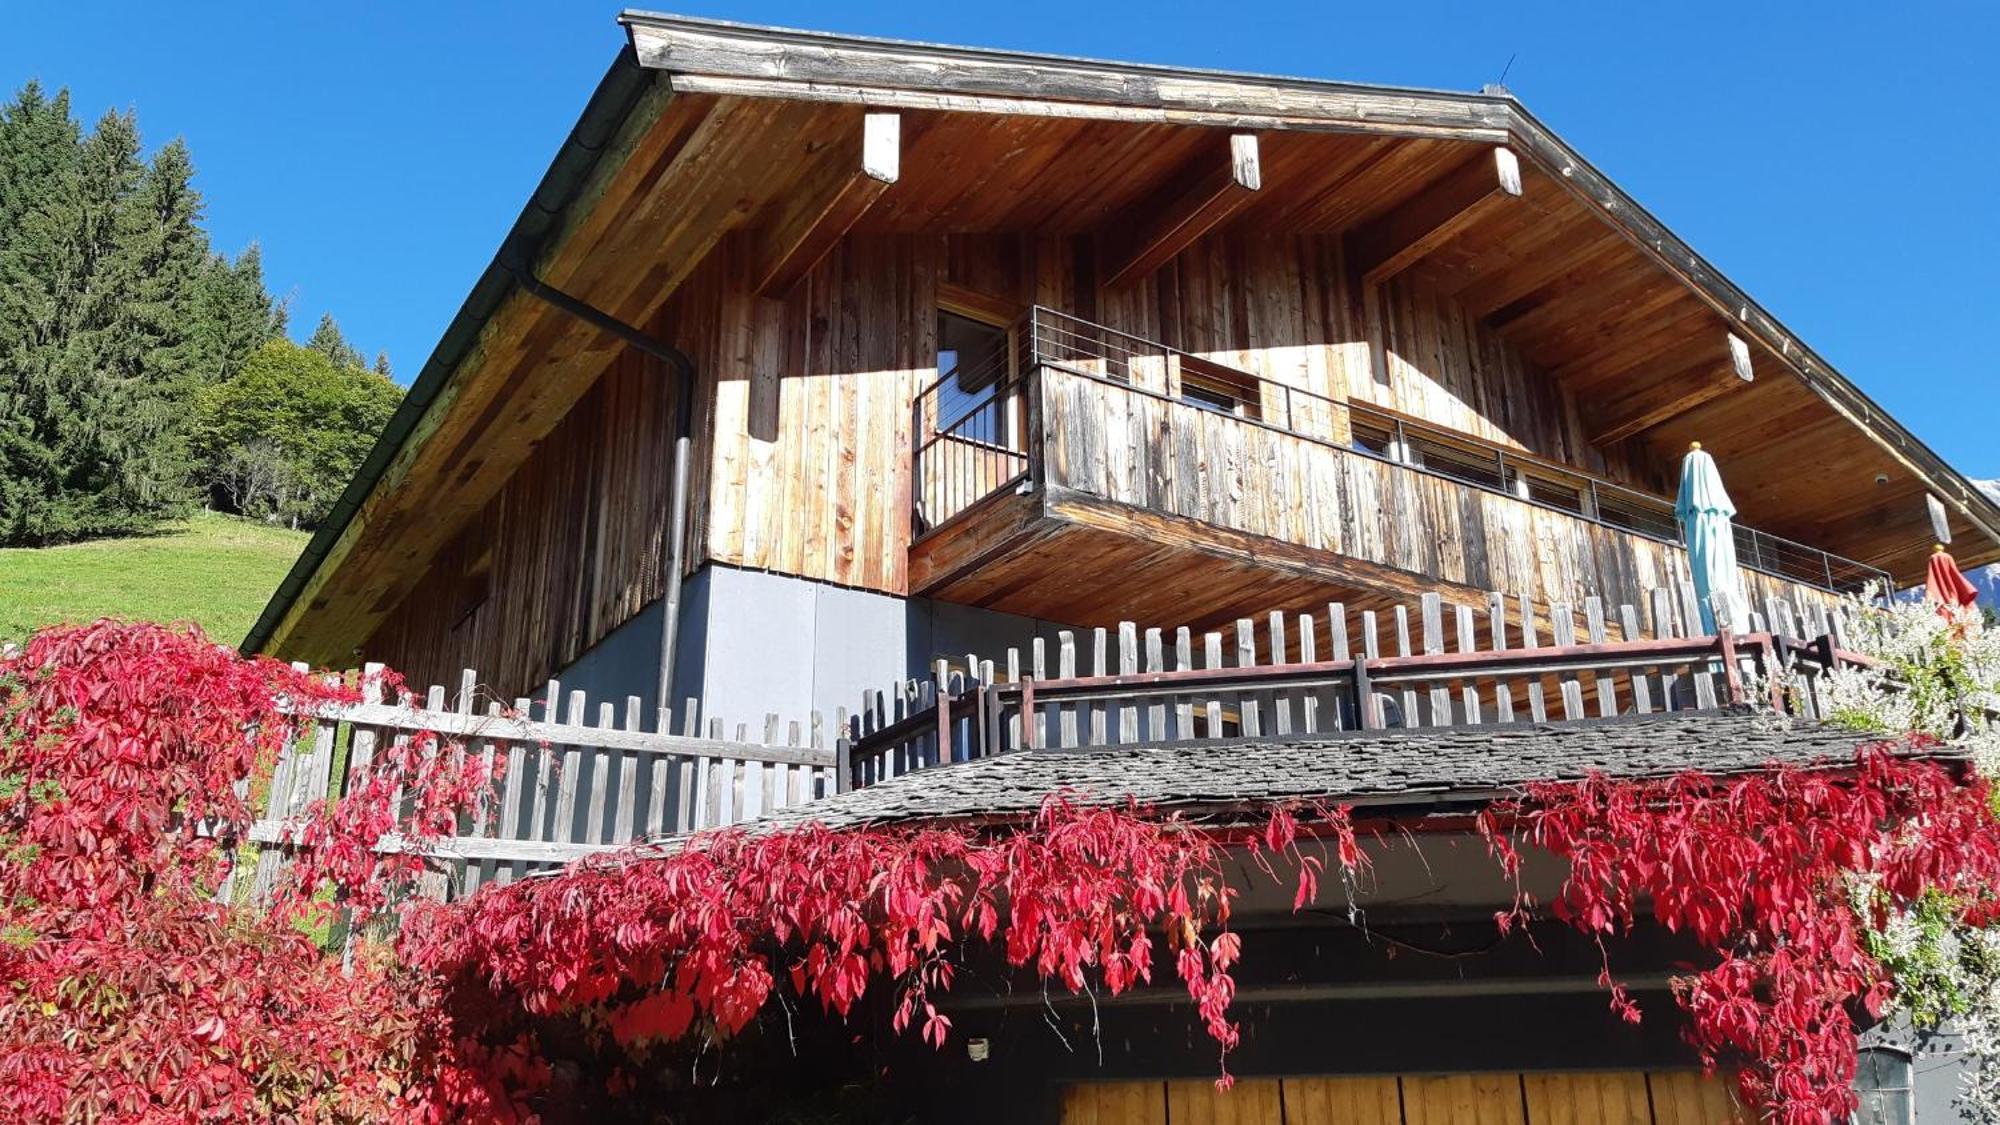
[216,571]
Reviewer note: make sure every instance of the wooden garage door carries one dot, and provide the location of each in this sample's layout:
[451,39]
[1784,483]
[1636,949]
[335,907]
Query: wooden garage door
[1616,1098]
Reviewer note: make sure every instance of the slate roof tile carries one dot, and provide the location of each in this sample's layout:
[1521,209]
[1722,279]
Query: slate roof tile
[1365,768]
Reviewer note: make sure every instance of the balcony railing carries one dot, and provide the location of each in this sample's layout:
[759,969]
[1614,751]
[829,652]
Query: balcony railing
[973,440]
[1428,666]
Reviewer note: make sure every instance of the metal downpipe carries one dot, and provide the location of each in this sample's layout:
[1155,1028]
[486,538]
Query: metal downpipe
[676,522]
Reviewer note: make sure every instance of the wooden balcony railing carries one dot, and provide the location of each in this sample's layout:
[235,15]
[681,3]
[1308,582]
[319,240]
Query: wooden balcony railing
[1317,674]
[976,437]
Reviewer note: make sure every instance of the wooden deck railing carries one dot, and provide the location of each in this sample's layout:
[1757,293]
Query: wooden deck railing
[583,779]
[1306,674]
[975,437]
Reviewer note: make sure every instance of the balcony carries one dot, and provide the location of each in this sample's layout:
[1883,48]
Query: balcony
[1084,475]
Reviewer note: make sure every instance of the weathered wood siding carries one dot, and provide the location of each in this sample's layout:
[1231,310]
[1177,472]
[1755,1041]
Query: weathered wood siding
[1535,1098]
[803,429]
[569,550]
[1129,447]
[1283,308]
[811,467]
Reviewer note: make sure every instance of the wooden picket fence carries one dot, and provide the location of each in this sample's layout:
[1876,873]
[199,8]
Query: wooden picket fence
[1315,673]
[599,778]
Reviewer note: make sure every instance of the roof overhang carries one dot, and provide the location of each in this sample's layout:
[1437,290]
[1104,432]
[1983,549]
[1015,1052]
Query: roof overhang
[671,57]
[721,57]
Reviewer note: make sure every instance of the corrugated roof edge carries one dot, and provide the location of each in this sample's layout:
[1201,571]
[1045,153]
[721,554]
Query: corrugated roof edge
[620,89]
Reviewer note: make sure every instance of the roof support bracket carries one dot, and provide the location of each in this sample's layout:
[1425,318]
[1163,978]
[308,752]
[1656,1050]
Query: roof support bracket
[833,197]
[1390,244]
[1195,201]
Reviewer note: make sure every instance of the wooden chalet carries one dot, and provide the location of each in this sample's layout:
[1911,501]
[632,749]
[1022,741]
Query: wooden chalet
[820,363]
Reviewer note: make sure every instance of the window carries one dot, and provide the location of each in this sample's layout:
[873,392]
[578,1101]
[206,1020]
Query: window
[1195,394]
[971,361]
[1472,466]
[1882,1080]
[1542,491]
[1224,390]
[1370,437]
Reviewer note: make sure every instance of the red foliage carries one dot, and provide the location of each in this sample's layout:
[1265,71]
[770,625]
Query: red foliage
[1757,868]
[126,751]
[126,754]
[653,947]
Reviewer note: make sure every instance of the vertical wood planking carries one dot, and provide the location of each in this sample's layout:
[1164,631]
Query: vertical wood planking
[1468,641]
[1250,722]
[1496,627]
[1412,717]
[1607,689]
[1156,706]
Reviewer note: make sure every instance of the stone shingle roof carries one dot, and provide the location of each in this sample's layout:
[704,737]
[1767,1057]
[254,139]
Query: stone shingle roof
[1365,768]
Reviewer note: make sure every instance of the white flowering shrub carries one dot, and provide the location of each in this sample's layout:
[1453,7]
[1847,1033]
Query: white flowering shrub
[1933,670]
[1939,677]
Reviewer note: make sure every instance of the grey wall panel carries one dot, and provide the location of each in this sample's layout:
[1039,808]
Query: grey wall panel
[859,643]
[759,651]
[753,643]
[625,663]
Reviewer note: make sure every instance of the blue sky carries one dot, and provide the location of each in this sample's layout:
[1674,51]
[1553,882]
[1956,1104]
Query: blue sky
[1835,159]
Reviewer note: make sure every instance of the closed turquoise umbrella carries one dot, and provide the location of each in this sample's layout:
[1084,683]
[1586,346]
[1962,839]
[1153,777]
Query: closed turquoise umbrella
[1705,510]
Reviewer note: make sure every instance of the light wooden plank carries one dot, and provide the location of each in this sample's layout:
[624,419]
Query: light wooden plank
[1252,1101]
[1592,1098]
[1462,1099]
[1368,1100]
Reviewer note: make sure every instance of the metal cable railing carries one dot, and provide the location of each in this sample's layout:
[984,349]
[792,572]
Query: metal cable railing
[970,439]
[981,447]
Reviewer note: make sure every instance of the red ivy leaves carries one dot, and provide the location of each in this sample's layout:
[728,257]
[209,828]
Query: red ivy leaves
[127,754]
[655,946]
[1756,868]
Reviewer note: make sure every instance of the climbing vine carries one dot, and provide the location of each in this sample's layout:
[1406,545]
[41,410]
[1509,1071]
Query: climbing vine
[130,757]
[648,948]
[1757,869]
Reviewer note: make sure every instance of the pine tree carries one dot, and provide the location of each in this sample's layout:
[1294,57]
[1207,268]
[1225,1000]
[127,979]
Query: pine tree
[328,341]
[235,314]
[382,366]
[95,283]
[61,468]
[124,340]
[146,351]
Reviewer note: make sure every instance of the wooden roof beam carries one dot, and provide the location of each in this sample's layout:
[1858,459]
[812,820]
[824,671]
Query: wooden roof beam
[1193,202]
[834,196]
[1390,244]
[1653,404]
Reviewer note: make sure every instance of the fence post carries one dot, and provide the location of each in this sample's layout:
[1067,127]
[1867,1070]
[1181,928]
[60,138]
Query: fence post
[1031,730]
[942,711]
[1732,676]
[843,764]
[1364,696]
[1775,660]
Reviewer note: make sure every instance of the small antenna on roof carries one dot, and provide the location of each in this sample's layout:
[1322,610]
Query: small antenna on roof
[1500,87]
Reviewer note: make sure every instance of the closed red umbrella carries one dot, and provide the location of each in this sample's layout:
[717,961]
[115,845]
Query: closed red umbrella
[1945,587]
